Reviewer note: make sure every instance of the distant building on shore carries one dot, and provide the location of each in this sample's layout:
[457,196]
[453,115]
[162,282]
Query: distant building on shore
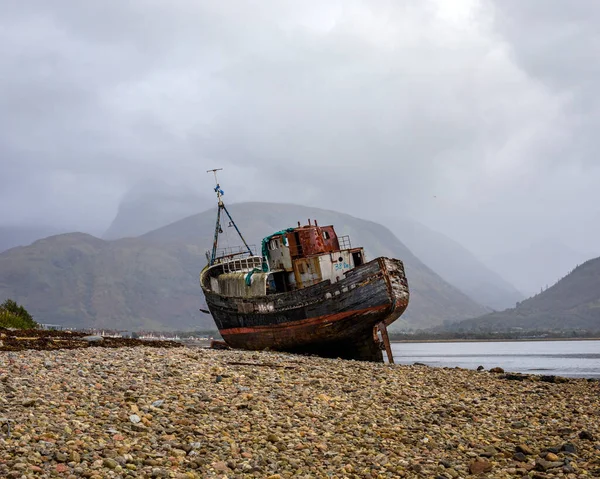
[52,327]
[129,334]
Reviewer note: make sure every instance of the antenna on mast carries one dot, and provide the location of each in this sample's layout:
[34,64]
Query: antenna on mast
[218,189]
[221,206]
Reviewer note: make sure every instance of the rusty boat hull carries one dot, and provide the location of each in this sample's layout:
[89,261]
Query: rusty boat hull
[338,319]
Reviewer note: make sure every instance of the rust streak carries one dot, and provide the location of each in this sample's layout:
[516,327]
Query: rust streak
[305,322]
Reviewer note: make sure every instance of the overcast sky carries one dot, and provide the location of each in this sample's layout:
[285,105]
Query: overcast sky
[478,118]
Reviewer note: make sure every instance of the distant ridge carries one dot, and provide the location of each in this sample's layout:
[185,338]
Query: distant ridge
[456,265]
[573,303]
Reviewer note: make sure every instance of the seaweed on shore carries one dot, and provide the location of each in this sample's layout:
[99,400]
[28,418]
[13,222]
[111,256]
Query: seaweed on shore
[44,340]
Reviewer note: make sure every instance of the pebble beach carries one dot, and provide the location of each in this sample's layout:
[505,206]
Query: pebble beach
[199,413]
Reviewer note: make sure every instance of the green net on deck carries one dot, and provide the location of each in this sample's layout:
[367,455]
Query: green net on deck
[249,275]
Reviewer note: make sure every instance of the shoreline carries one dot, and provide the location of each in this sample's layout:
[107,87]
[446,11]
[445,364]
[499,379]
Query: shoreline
[488,340]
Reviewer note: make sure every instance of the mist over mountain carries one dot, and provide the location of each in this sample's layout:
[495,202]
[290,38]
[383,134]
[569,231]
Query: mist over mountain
[19,235]
[153,204]
[573,303]
[456,265]
[151,282]
[537,266]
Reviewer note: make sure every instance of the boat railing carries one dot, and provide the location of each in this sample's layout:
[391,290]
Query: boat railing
[242,265]
[224,254]
[345,242]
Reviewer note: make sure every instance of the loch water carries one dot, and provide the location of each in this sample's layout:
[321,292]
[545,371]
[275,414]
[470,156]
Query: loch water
[558,358]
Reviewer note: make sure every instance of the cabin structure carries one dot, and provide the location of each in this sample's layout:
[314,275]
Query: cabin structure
[307,255]
[291,259]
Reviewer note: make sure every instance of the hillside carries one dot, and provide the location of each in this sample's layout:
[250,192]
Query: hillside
[572,303]
[79,280]
[457,265]
[151,282]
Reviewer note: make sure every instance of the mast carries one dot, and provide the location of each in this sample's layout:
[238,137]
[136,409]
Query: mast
[218,229]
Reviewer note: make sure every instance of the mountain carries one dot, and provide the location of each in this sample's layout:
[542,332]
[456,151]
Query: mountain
[151,282]
[151,205]
[78,280]
[572,303]
[456,265]
[11,236]
[538,265]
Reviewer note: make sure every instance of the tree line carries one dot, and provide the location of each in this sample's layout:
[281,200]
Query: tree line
[13,315]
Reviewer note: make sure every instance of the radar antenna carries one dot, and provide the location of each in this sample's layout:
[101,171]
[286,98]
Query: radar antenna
[218,229]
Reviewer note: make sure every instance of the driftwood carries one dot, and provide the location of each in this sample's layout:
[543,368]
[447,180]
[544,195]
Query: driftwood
[216,344]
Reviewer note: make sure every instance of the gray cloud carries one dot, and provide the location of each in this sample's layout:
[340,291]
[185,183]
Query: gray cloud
[558,45]
[373,108]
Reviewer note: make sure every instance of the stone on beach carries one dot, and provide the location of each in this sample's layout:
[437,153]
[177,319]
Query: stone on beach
[158,412]
[92,339]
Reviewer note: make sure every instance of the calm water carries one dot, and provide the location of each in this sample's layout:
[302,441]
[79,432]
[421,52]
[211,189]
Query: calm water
[560,358]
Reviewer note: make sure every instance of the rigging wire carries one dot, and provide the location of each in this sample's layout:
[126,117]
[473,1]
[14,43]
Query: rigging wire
[227,239]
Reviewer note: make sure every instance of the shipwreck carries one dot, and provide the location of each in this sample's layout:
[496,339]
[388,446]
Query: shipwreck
[307,291]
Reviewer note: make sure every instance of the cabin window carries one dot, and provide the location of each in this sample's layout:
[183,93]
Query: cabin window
[326,235]
[357,259]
